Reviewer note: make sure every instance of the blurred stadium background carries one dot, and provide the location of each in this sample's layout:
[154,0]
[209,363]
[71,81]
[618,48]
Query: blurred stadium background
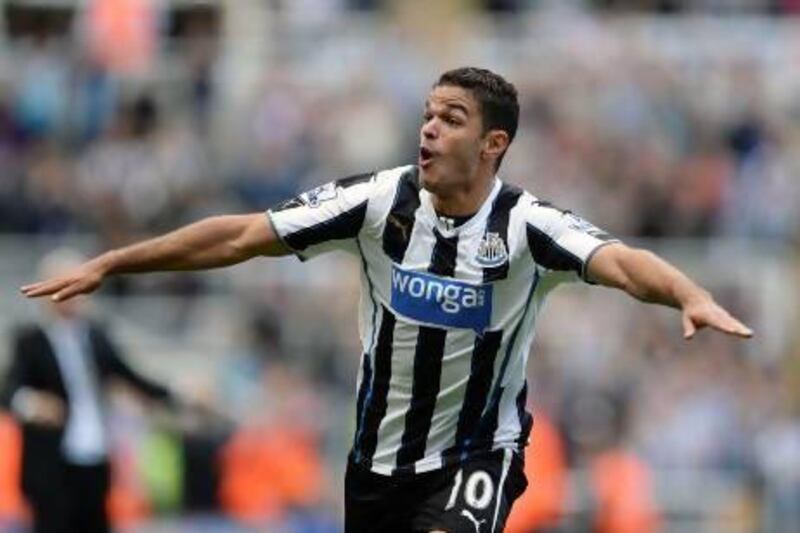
[673,124]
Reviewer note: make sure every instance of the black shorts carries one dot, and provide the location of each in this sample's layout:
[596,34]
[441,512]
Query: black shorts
[474,496]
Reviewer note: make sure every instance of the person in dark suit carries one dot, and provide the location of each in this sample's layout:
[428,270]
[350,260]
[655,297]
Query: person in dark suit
[55,389]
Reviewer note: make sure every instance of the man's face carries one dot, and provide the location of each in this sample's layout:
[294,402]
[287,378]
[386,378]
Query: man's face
[451,138]
[69,309]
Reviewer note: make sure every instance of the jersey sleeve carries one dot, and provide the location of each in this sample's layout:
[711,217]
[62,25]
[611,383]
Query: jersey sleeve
[326,218]
[562,242]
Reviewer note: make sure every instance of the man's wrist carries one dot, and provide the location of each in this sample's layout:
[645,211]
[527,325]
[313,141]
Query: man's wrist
[692,296]
[107,263]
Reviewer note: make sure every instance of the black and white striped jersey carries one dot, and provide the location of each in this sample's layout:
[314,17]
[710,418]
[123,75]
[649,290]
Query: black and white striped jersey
[447,312]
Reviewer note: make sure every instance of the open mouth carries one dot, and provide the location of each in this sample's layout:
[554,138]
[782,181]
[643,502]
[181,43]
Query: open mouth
[425,156]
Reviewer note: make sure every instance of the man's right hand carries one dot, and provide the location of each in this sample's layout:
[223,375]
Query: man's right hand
[210,243]
[39,407]
[84,279]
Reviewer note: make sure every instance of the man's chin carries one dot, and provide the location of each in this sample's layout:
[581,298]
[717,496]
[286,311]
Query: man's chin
[427,181]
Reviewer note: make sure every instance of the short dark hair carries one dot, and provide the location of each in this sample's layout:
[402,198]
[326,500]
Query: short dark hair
[496,96]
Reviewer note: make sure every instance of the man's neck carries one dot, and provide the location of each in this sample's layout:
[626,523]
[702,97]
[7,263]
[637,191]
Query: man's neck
[465,201]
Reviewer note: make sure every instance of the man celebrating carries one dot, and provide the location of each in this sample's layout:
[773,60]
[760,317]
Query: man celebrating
[455,266]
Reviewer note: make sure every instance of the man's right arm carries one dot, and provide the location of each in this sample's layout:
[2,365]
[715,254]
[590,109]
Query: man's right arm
[15,375]
[210,243]
[17,396]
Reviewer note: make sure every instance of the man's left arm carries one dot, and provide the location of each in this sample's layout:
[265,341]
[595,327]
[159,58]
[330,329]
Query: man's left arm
[120,369]
[647,277]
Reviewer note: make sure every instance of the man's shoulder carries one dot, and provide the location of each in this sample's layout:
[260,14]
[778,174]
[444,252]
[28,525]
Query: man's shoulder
[28,338]
[531,210]
[396,174]
[386,183]
[387,178]
[27,331]
[522,199]
[535,205]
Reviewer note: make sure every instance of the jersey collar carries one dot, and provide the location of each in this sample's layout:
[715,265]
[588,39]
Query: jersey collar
[443,228]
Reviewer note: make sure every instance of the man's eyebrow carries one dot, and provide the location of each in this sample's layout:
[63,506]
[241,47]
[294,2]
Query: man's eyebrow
[459,107]
[450,106]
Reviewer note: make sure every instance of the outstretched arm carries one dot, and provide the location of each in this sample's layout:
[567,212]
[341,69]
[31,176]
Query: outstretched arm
[647,277]
[210,243]
[120,369]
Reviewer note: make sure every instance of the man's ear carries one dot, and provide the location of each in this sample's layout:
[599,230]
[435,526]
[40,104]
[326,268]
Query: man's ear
[495,144]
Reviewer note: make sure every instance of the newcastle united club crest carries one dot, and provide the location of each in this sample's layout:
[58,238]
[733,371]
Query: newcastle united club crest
[492,250]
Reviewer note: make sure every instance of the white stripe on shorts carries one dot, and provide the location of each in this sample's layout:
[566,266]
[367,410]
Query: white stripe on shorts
[506,464]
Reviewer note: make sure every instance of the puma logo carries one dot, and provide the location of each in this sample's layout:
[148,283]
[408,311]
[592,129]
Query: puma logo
[477,523]
[397,223]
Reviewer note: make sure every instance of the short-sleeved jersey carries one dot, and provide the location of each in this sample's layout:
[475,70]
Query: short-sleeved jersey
[447,311]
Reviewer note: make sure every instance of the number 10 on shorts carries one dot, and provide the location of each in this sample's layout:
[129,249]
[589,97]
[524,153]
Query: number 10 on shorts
[478,490]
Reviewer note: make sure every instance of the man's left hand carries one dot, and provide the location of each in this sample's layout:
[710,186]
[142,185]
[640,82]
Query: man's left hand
[705,312]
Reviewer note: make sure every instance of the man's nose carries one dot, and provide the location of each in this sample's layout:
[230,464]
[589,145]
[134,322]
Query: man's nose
[430,130]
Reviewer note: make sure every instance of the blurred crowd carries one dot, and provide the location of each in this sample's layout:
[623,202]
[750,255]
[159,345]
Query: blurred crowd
[691,146]
[647,130]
